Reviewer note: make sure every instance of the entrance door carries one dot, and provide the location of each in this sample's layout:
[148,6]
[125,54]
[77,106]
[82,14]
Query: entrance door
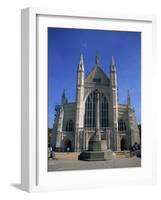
[123,144]
[67,145]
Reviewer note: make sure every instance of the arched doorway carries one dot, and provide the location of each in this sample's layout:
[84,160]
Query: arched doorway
[67,145]
[123,144]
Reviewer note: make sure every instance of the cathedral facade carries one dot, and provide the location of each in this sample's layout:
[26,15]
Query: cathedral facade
[96,112]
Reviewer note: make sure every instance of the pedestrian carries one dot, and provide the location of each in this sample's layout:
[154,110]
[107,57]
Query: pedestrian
[48,152]
[53,155]
[51,152]
[68,149]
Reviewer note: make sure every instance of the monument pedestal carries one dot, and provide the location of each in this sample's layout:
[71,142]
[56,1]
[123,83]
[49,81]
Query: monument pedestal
[95,146]
[91,156]
[97,152]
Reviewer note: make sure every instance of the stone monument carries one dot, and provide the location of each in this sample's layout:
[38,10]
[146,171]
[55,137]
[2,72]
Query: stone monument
[97,150]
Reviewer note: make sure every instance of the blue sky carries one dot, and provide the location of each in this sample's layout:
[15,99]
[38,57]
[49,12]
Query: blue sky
[64,48]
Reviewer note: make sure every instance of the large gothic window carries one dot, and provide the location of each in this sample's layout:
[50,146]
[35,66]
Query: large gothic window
[90,111]
[70,126]
[121,125]
[103,111]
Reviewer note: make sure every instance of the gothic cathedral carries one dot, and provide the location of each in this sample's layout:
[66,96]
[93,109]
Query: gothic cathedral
[96,113]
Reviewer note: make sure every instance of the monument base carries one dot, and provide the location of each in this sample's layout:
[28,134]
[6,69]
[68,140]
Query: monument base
[97,155]
[97,151]
[109,154]
[95,146]
[91,156]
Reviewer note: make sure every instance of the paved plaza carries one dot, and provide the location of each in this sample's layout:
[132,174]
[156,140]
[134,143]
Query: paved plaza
[62,165]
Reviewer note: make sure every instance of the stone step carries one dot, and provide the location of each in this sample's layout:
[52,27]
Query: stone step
[67,156]
[74,155]
[123,154]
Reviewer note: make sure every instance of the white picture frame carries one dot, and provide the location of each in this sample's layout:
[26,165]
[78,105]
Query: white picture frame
[34,175]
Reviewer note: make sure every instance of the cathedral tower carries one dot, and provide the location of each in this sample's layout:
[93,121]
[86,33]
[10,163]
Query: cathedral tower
[129,100]
[79,123]
[63,98]
[114,101]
